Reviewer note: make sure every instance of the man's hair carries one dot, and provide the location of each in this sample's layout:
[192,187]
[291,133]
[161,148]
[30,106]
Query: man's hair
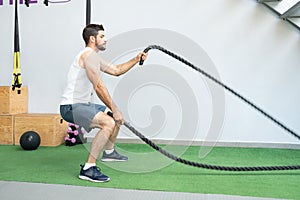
[91,30]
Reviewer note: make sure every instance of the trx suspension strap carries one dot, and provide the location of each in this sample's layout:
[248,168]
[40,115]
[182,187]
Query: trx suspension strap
[17,80]
[88,12]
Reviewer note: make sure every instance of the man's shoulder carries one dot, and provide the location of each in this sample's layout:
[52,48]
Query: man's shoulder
[86,52]
[85,55]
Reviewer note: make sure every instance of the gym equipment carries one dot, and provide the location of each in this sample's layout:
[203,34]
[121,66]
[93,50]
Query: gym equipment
[13,101]
[88,12]
[51,127]
[201,165]
[75,135]
[207,166]
[222,85]
[30,140]
[17,80]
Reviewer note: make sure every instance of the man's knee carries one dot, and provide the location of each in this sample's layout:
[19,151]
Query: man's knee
[109,124]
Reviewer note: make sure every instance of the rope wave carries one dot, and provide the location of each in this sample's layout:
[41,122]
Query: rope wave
[207,166]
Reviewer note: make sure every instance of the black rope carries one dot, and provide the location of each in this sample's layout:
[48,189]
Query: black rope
[206,166]
[223,85]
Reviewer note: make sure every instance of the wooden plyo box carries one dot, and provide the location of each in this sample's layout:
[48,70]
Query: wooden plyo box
[51,128]
[7,129]
[13,102]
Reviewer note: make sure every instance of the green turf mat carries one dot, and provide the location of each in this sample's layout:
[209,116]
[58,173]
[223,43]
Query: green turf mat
[60,165]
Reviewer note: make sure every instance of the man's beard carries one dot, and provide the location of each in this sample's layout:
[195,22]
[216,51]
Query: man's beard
[101,47]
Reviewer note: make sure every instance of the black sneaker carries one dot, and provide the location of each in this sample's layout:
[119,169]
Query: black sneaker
[114,156]
[92,174]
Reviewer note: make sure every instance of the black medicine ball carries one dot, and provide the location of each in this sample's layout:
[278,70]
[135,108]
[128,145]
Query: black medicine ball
[30,140]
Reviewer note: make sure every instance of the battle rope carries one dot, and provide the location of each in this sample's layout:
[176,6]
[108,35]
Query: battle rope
[221,84]
[201,165]
[206,166]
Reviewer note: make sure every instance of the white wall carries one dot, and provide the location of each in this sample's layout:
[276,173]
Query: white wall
[252,50]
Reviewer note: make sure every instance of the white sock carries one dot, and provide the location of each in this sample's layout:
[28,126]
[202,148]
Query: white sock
[88,165]
[109,151]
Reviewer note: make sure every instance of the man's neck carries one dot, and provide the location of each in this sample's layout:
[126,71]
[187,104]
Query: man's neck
[93,47]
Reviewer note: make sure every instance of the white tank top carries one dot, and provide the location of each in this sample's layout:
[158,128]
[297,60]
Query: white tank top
[79,88]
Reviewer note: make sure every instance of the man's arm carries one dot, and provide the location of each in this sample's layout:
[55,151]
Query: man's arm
[117,70]
[91,65]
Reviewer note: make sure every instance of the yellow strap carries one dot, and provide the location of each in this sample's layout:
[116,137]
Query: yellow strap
[17,79]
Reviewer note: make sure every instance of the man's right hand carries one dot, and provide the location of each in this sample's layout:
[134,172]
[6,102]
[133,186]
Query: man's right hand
[118,117]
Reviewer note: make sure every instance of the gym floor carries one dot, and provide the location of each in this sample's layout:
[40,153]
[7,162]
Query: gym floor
[34,191]
[43,170]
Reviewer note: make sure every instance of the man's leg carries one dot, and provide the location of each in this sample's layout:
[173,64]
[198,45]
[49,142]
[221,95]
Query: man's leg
[110,154]
[111,141]
[106,124]
[89,171]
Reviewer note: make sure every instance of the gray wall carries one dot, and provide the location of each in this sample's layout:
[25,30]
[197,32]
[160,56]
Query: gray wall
[242,42]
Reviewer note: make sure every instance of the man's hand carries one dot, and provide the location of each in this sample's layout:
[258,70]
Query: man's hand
[118,117]
[142,56]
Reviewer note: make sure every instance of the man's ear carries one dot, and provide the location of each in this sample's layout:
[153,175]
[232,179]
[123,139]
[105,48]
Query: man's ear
[92,39]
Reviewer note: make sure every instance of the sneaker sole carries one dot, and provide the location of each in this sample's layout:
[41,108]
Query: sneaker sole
[111,160]
[92,180]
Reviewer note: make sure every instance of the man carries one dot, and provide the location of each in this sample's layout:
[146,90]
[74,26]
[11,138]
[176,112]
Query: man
[84,78]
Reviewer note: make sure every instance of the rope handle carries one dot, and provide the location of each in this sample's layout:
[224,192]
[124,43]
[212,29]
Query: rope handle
[146,50]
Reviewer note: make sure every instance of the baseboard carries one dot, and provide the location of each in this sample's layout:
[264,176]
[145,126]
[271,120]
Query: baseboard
[207,143]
